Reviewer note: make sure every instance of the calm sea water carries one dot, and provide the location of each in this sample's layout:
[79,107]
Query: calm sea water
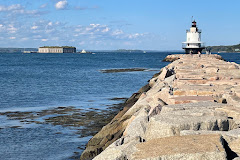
[31,82]
[44,80]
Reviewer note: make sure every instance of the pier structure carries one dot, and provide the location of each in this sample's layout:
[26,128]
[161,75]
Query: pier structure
[193,44]
[189,110]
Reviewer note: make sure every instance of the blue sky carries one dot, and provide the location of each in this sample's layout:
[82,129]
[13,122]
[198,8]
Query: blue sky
[115,24]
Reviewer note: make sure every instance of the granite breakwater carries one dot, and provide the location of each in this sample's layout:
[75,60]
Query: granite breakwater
[189,110]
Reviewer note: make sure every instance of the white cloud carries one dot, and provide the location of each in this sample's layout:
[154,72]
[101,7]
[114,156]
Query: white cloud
[44,5]
[50,23]
[92,29]
[103,34]
[92,36]
[136,35]
[117,32]
[34,27]
[106,30]
[24,39]
[11,29]
[89,28]
[95,25]
[61,4]
[37,36]
[18,9]
[10,8]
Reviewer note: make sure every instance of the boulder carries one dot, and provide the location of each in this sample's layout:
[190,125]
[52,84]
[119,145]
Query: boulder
[199,106]
[137,125]
[231,140]
[233,112]
[176,115]
[121,149]
[163,74]
[112,131]
[171,123]
[189,147]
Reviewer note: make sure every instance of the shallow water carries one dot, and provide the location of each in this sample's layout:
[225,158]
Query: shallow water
[39,142]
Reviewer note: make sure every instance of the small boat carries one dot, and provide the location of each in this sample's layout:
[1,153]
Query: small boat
[84,51]
[29,51]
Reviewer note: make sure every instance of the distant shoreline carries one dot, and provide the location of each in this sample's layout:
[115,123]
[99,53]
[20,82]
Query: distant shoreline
[35,50]
[214,49]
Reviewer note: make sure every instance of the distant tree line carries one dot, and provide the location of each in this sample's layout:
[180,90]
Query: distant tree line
[229,49]
[16,50]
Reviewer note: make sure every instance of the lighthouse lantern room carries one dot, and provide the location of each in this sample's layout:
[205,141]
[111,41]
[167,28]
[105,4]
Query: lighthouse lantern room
[193,45]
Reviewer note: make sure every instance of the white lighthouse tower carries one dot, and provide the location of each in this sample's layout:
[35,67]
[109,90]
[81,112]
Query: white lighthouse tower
[193,45]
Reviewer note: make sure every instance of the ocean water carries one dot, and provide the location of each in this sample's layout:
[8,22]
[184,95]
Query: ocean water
[231,57]
[44,80]
[35,82]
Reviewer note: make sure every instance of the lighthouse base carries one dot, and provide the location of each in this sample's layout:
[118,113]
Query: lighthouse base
[193,50]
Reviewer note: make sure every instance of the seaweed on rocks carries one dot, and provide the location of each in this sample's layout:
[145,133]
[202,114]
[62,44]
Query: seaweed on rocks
[85,123]
[122,70]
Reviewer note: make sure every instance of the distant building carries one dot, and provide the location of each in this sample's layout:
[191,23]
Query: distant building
[193,45]
[57,49]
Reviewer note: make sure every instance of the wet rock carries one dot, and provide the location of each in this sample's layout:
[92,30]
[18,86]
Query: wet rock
[86,123]
[122,70]
[118,99]
[15,126]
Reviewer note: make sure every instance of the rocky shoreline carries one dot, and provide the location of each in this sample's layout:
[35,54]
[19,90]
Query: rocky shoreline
[190,110]
[174,57]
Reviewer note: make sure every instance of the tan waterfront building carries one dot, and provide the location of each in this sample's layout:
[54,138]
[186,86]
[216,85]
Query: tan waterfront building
[57,49]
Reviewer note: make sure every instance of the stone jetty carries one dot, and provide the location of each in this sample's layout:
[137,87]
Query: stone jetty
[174,57]
[190,110]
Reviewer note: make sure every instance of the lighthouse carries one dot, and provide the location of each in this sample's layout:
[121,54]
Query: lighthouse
[193,45]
